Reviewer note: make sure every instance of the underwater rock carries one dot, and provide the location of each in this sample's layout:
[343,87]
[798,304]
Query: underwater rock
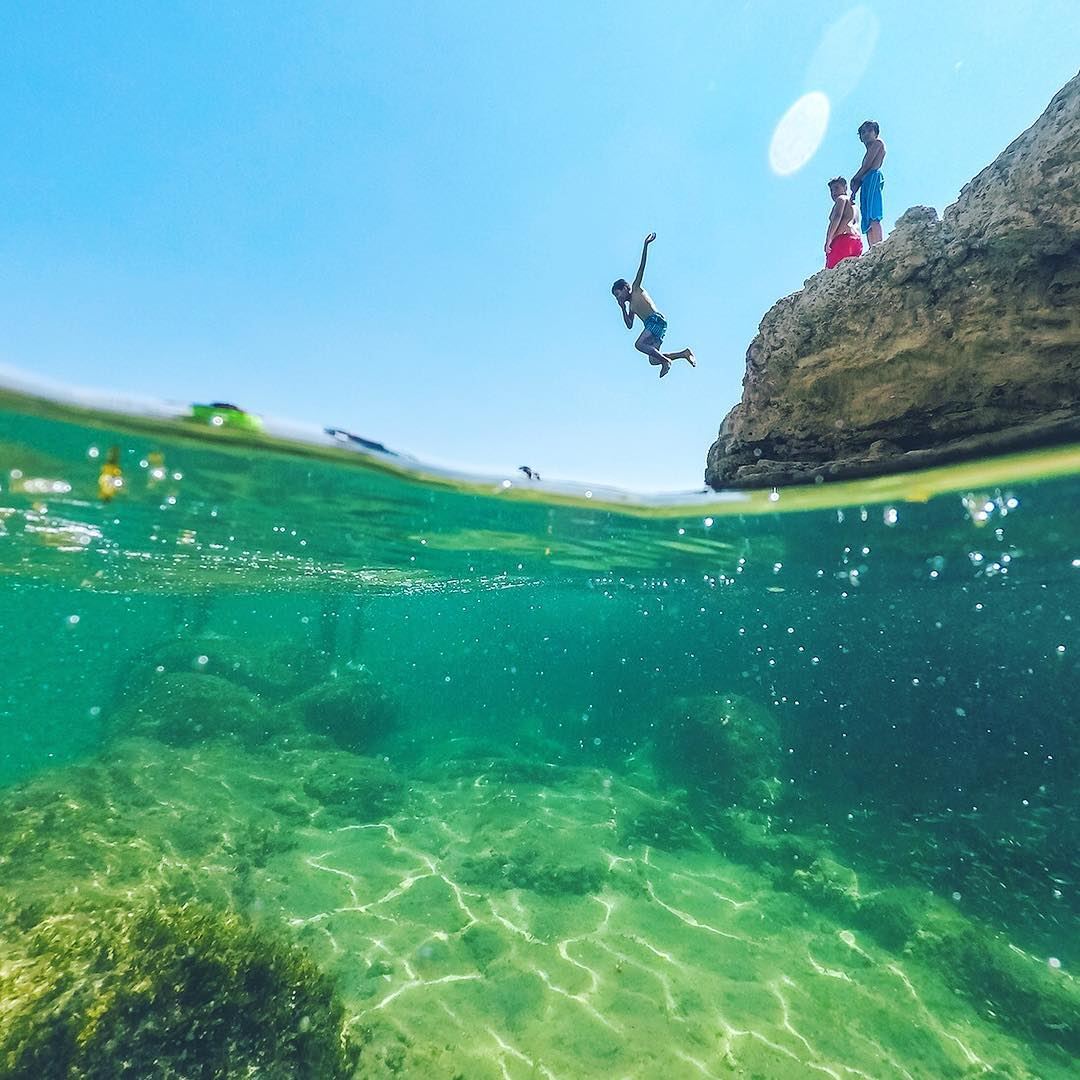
[1017,991]
[724,745]
[274,672]
[355,789]
[525,761]
[952,339]
[665,823]
[484,944]
[350,709]
[181,710]
[551,856]
[891,916]
[830,884]
[173,992]
[528,867]
[145,818]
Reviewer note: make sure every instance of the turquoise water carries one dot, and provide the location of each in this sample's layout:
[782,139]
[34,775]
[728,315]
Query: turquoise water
[542,783]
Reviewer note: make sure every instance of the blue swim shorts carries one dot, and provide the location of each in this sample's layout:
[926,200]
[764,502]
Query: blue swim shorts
[870,198]
[656,324]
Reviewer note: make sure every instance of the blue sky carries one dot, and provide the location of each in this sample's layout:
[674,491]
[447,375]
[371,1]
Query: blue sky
[404,218]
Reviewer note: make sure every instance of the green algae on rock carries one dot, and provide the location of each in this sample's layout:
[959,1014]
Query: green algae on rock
[1016,990]
[350,708]
[166,992]
[506,902]
[183,692]
[534,866]
[181,710]
[953,338]
[272,672]
[724,745]
[351,788]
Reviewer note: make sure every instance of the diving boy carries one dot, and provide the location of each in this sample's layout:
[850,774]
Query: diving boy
[634,300]
[868,181]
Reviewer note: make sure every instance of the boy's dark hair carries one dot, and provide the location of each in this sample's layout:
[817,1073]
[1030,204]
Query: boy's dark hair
[838,180]
[620,284]
[870,124]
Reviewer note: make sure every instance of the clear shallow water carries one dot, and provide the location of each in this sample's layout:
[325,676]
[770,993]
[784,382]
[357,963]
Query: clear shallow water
[550,785]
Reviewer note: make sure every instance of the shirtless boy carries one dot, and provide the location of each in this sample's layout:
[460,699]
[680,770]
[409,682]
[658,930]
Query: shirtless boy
[634,300]
[869,181]
[841,238]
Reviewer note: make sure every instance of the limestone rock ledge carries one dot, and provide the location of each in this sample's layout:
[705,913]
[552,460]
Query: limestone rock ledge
[955,338]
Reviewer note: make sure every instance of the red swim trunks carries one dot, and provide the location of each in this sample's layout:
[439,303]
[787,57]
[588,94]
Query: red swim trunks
[844,246]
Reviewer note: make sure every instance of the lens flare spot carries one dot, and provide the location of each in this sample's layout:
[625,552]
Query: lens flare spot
[844,52]
[799,133]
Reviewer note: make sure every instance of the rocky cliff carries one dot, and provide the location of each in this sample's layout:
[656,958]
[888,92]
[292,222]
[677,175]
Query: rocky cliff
[956,337]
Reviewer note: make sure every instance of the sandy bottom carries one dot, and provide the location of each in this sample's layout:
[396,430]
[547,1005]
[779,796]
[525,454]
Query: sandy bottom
[505,920]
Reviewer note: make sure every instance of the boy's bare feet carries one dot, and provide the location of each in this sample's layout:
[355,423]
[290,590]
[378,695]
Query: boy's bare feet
[664,369]
[690,357]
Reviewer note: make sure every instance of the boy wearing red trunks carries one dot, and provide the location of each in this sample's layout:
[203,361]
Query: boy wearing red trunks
[841,238]
[634,300]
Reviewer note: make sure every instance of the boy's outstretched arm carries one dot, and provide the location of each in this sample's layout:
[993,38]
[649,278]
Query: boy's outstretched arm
[644,255]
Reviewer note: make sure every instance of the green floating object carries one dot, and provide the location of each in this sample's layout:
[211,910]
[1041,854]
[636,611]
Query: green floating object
[220,414]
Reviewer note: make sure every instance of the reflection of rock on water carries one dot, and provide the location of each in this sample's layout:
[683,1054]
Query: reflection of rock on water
[723,745]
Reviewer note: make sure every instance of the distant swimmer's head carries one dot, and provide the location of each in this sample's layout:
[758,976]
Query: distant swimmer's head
[868,131]
[621,290]
[837,186]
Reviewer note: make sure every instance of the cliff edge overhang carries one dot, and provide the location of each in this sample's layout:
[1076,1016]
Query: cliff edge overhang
[957,337]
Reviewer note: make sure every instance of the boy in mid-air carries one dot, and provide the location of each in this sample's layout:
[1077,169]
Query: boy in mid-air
[868,181]
[634,300]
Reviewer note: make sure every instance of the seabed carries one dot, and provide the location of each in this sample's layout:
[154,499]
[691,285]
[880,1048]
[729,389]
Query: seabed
[313,769]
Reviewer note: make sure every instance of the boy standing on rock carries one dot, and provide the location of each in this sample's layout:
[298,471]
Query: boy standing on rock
[841,238]
[869,181]
[634,300]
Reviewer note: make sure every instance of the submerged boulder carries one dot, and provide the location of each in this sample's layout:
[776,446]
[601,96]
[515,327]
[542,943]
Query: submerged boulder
[355,789]
[955,338]
[184,709]
[351,709]
[273,671]
[723,745]
[175,992]
[1017,990]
